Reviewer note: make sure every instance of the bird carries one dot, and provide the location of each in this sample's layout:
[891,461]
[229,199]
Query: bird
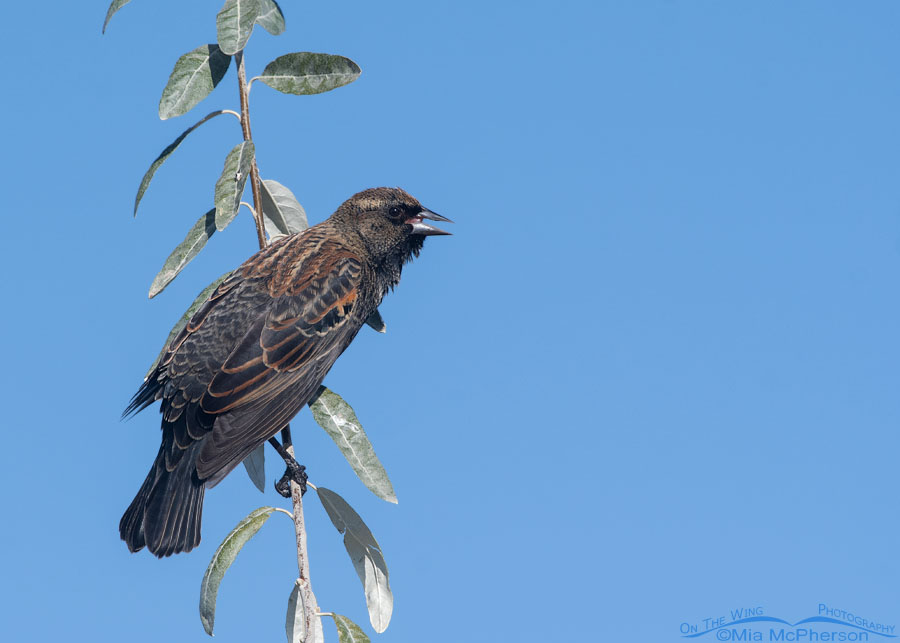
[256,351]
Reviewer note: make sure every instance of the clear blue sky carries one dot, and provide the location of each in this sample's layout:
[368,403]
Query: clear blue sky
[652,378]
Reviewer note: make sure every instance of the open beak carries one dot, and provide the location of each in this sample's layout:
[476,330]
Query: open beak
[420,227]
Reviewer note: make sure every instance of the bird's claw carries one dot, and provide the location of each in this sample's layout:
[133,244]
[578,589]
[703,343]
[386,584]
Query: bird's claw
[293,473]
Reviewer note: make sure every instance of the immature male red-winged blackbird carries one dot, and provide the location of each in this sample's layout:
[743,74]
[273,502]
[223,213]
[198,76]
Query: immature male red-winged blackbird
[256,352]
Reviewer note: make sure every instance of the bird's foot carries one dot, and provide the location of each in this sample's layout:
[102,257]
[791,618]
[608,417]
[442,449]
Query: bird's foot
[293,473]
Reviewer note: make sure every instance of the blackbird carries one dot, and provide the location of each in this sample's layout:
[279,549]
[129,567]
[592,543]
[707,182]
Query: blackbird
[257,351]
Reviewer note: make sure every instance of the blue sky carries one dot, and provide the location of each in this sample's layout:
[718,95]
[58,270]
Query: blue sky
[650,379]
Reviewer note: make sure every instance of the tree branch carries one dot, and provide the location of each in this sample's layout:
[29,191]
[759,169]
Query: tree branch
[254,169]
[309,599]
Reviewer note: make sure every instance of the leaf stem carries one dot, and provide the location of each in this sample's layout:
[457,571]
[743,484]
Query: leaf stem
[251,208]
[254,170]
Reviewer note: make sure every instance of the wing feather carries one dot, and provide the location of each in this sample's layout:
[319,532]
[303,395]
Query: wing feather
[281,361]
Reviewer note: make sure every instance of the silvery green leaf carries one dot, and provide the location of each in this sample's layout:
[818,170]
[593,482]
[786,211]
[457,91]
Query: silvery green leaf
[309,73]
[348,631]
[185,251]
[318,632]
[222,559]
[295,622]
[375,321]
[230,185]
[270,17]
[282,213]
[234,24]
[334,415]
[145,181]
[366,555]
[195,75]
[255,464]
[114,6]
[185,318]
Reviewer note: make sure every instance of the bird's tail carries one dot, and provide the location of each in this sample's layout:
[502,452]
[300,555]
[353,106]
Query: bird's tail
[165,514]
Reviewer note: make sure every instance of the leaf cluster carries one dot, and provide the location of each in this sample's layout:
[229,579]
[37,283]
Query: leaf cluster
[276,212]
[195,75]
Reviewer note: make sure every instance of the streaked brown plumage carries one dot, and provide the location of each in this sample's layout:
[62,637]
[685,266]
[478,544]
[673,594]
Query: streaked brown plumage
[255,353]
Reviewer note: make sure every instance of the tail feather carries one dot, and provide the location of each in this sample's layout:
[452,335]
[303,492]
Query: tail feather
[131,526]
[165,515]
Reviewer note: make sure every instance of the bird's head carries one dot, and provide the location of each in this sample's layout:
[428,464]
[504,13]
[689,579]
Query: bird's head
[390,222]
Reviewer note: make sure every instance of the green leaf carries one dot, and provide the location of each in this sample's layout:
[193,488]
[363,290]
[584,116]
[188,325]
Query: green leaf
[230,185]
[186,317]
[337,418]
[222,559]
[255,464]
[195,75]
[295,622]
[114,6]
[318,633]
[375,321]
[166,153]
[308,73]
[348,631]
[366,555]
[185,251]
[234,24]
[282,213]
[270,17]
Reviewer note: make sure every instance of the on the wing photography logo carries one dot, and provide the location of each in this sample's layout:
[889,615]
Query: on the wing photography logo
[754,624]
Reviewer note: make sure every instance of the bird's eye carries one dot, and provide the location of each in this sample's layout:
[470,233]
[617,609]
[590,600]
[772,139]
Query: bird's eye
[395,211]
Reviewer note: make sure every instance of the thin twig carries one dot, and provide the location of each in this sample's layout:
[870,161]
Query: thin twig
[254,170]
[309,599]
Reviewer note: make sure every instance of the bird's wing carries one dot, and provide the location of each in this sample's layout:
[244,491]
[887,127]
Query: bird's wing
[198,318]
[166,370]
[283,357]
[196,354]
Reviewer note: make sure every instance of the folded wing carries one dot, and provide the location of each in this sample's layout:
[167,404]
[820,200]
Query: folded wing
[281,360]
